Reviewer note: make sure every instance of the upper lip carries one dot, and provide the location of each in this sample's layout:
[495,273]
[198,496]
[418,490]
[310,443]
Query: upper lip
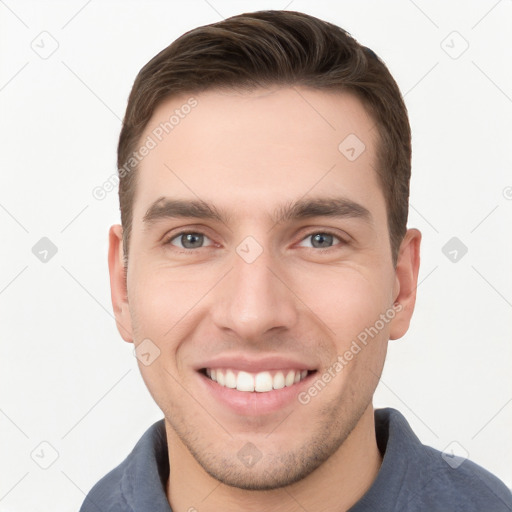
[255,364]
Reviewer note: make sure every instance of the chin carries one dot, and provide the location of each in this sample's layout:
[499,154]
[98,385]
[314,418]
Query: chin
[267,477]
[271,470]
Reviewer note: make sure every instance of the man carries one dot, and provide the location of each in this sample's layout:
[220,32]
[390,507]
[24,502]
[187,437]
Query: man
[262,265]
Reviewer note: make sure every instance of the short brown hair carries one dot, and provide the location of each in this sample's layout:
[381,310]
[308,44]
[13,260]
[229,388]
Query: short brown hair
[268,48]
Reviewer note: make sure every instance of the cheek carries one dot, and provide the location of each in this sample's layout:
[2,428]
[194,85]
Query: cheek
[158,305]
[346,300]
[350,303]
[159,299]
[351,307]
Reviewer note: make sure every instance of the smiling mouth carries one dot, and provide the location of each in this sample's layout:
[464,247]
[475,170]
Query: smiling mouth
[261,382]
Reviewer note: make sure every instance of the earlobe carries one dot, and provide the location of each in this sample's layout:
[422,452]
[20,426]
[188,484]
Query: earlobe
[406,272]
[118,288]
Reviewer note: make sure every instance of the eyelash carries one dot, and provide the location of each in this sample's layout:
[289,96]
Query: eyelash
[342,241]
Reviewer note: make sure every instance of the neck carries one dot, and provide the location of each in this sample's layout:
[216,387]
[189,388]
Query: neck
[336,485]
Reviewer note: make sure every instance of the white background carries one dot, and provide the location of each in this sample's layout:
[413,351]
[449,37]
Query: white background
[68,379]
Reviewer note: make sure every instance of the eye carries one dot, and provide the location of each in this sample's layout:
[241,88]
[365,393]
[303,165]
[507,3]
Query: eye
[320,240]
[190,240]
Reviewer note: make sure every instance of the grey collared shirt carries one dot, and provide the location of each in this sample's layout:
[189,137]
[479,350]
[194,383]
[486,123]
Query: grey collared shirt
[413,477]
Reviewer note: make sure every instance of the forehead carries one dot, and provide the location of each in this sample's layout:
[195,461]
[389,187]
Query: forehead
[260,148]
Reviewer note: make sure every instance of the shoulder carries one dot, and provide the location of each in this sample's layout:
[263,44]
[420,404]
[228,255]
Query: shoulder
[417,477]
[461,482]
[107,494]
[142,472]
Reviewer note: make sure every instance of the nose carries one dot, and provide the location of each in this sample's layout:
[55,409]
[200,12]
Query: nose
[254,299]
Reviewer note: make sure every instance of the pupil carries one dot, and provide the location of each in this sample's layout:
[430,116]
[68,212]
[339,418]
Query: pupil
[322,240]
[191,240]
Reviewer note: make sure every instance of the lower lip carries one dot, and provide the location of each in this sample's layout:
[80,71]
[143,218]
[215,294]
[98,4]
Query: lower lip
[254,403]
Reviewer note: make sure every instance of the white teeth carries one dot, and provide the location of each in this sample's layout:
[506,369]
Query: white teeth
[279,380]
[230,379]
[261,382]
[244,382]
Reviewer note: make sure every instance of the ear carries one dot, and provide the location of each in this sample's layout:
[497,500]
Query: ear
[118,288]
[407,267]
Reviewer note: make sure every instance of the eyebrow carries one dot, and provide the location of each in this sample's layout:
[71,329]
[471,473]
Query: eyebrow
[338,207]
[166,208]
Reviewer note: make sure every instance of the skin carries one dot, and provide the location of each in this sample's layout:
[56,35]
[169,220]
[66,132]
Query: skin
[248,154]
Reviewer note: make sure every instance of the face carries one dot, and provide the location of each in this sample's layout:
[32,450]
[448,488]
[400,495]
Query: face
[260,286]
